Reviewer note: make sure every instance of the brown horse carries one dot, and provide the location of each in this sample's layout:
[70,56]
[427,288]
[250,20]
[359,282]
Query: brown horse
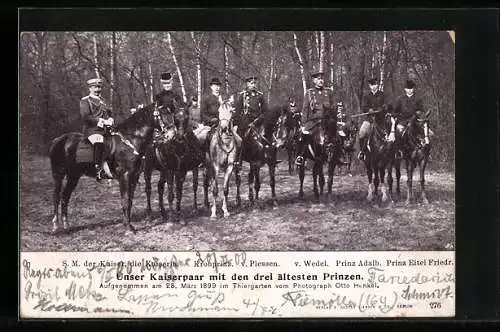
[221,155]
[125,148]
[379,157]
[415,152]
[173,159]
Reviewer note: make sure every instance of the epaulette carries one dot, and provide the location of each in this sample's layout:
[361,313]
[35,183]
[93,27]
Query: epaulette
[242,92]
[85,98]
[260,93]
[310,89]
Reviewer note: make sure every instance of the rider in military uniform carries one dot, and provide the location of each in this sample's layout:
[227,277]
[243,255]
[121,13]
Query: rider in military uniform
[165,101]
[375,101]
[250,110]
[96,115]
[318,105]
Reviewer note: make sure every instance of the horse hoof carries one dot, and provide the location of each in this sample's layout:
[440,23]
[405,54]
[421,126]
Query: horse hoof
[56,230]
[301,195]
[226,214]
[66,225]
[182,222]
[213,218]
[425,200]
[407,203]
[390,205]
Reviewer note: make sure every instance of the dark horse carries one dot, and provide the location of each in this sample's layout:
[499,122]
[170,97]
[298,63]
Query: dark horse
[379,156]
[125,148]
[415,152]
[335,148]
[321,142]
[173,159]
[348,133]
[287,130]
[258,151]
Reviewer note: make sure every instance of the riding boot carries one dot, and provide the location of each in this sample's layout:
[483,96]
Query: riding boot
[98,152]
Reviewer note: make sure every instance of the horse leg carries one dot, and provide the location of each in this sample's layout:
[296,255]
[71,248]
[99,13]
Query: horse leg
[409,175]
[290,160]
[126,200]
[227,177]
[301,178]
[376,181]
[147,180]
[238,183]
[161,190]
[272,182]
[170,191]
[331,172]
[195,188]
[390,181]
[215,193]
[383,187]
[398,179]
[315,180]
[422,165]
[369,172]
[58,180]
[206,183]
[250,182]
[321,178]
[349,162]
[72,181]
[180,176]
[257,182]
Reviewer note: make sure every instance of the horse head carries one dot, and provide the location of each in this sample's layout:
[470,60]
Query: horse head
[226,110]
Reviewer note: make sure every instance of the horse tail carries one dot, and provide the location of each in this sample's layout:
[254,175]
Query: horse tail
[56,153]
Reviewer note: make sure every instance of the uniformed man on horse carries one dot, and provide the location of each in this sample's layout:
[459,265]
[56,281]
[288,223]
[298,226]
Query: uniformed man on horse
[410,107]
[250,110]
[97,120]
[376,103]
[318,106]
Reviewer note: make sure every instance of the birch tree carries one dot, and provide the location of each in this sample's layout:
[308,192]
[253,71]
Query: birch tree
[179,72]
[96,62]
[301,64]
[382,60]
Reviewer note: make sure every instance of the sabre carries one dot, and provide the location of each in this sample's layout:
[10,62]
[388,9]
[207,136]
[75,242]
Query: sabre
[367,113]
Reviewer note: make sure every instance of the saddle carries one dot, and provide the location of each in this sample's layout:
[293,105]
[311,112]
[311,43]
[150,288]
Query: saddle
[85,150]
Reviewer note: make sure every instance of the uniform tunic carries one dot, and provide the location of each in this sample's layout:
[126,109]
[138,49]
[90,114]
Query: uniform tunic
[249,106]
[319,103]
[91,109]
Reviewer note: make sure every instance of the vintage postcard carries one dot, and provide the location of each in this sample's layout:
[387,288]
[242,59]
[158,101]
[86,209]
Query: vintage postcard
[239,174]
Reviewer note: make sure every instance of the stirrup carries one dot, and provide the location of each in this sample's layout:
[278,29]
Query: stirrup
[299,161]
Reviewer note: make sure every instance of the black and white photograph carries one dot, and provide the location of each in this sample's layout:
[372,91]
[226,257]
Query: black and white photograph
[154,141]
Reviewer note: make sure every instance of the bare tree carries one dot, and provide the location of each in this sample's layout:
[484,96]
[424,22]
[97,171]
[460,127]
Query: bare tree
[301,64]
[96,60]
[322,51]
[196,43]
[382,60]
[179,72]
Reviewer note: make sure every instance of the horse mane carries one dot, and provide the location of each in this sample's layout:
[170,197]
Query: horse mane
[136,120]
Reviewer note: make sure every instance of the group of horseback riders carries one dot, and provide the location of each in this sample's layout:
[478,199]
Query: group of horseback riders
[251,108]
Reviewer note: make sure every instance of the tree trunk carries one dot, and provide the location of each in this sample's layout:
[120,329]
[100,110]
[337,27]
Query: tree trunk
[226,67]
[112,72]
[271,71]
[322,51]
[96,62]
[332,65]
[198,64]
[382,61]
[179,72]
[301,64]
[151,82]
